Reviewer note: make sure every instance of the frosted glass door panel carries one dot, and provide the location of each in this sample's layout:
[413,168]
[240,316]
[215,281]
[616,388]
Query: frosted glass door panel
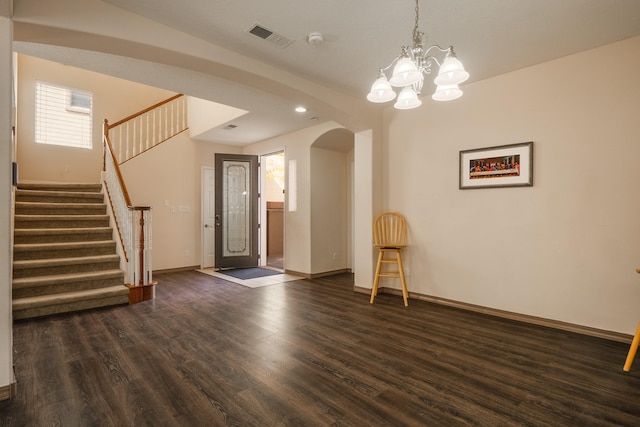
[236,209]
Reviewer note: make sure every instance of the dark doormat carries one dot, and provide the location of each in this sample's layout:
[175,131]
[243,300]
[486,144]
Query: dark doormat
[249,273]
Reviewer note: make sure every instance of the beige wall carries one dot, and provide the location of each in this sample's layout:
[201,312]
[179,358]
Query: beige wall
[167,178]
[205,115]
[113,99]
[6,203]
[329,210]
[367,200]
[297,147]
[564,249]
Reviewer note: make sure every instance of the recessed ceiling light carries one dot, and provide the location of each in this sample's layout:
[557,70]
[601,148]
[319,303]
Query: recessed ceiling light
[301,109]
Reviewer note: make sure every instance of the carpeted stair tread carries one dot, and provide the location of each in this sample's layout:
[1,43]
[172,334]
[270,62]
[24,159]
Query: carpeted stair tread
[58,196]
[70,296]
[31,251]
[72,218]
[60,246]
[53,279]
[49,208]
[39,263]
[69,301]
[88,188]
[65,282]
[35,235]
[71,307]
[62,221]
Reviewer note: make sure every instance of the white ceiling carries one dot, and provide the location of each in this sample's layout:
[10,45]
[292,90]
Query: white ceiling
[491,37]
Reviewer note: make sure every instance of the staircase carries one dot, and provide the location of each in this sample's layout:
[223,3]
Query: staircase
[64,254]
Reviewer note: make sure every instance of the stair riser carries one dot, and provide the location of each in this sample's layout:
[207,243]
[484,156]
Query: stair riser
[60,223]
[63,209]
[58,288]
[64,269]
[64,253]
[62,237]
[67,198]
[70,307]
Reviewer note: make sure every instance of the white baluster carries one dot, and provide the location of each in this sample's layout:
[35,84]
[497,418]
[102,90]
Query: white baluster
[140,137]
[119,154]
[173,109]
[183,101]
[147,135]
[126,151]
[154,127]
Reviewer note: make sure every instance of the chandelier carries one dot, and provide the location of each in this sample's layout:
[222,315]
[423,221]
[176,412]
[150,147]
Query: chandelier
[409,71]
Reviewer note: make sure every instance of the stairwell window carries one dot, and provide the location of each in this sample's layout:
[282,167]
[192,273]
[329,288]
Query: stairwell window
[63,116]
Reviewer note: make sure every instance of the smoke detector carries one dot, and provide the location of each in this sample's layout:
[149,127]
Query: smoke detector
[315,38]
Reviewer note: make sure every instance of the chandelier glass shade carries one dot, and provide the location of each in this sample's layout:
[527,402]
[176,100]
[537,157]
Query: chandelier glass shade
[407,99]
[409,70]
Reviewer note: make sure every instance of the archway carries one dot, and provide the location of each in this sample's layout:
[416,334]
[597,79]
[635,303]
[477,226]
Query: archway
[331,192]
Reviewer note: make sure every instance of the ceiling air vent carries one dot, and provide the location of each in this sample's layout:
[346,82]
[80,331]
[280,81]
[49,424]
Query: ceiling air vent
[229,127]
[268,35]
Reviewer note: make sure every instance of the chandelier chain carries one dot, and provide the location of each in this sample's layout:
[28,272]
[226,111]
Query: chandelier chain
[417,34]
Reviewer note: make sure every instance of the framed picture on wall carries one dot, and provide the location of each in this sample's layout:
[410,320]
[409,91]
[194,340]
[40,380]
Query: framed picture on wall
[500,166]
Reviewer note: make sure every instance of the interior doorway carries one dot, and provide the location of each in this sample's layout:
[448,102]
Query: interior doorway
[273,210]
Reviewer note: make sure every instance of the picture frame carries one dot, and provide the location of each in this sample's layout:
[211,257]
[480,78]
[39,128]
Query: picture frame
[495,167]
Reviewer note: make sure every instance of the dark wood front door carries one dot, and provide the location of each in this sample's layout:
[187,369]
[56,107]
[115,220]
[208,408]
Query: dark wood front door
[236,210]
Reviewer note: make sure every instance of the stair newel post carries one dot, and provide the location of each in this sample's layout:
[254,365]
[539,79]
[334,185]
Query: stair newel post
[143,268]
[141,272]
[143,287]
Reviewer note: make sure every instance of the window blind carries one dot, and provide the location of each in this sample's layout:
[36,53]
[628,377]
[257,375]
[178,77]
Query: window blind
[63,116]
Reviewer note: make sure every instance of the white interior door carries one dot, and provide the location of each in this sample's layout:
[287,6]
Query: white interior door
[208,216]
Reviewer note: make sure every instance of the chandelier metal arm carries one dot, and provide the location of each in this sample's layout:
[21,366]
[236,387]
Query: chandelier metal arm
[424,61]
[406,51]
[423,57]
[435,46]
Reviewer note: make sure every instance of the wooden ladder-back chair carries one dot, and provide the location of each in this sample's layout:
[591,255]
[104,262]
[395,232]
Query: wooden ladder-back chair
[390,237]
[634,346]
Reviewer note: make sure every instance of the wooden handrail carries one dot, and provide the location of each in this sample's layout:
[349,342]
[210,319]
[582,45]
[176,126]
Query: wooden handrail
[146,110]
[105,132]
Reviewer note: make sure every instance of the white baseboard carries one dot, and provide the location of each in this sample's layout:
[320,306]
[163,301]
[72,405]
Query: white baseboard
[8,391]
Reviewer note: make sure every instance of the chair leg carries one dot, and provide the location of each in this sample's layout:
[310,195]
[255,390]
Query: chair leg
[376,280]
[405,292]
[632,350]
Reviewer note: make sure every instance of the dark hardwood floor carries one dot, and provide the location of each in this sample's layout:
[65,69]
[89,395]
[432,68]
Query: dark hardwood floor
[208,352]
